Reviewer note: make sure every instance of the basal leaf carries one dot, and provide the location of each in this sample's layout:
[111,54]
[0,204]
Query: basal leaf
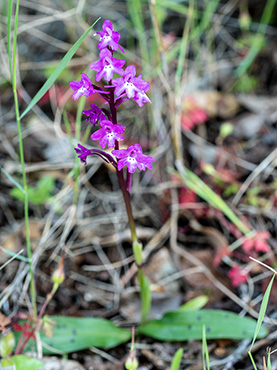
[72,334]
[185,325]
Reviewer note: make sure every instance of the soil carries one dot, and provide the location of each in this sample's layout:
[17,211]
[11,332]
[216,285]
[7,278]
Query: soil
[190,245]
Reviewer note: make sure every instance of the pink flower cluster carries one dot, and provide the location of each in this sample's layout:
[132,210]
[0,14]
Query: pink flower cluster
[253,245]
[126,87]
[237,275]
[258,243]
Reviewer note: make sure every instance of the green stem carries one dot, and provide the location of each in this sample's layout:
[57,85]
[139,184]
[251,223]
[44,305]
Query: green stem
[21,154]
[145,292]
[122,183]
[20,347]
[128,206]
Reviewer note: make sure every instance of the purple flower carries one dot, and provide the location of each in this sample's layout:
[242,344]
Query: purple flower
[140,97]
[130,84]
[133,158]
[94,114]
[107,65]
[108,134]
[83,87]
[83,153]
[109,37]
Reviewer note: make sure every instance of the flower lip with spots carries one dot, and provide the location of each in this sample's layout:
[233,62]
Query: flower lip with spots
[133,158]
[107,65]
[83,87]
[129,84]
[108,134]
[140,97]
[109,37]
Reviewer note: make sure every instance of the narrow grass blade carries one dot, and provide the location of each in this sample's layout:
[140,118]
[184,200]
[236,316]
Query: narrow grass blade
[63,63]
[184,47]
[194,183]
[9,35]
[176,7]
[176,361]
[205,20]
[262,311]
[269,367]
[252,360]
[259,40]
[205,352]
[14,255]
[12,180]
[137,17]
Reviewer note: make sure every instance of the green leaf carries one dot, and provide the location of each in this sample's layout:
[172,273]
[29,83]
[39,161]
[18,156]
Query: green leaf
[6,344]
[6,363]
[186,325]
[177,360]
[49,82]
[22,362]
[36,195]
[195,304]
[72,334]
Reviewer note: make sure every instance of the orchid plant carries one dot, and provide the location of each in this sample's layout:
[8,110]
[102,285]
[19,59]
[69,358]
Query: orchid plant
[110,133]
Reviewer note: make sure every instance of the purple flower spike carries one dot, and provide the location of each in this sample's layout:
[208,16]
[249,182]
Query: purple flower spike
[94,114]
[130,84]
[108,134]
[108,37]
[83,87]
[133,158]
[107,65]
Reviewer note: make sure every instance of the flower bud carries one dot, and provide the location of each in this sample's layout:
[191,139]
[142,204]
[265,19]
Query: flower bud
[58,275]
[208,169]
[137,250]
[132,362]
[245,20]
[226,129]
